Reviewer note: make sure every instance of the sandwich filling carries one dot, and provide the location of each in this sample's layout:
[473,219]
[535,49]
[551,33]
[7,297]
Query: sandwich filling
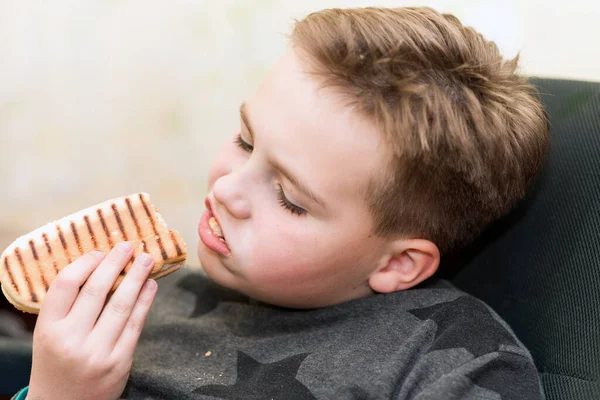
[216,229]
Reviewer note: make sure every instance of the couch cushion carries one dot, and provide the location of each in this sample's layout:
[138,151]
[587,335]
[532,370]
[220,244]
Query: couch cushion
[539,267]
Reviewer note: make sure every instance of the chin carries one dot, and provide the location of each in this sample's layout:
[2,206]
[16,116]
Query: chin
[214,268]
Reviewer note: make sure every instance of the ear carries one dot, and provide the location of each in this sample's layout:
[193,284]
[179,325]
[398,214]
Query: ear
[407,263]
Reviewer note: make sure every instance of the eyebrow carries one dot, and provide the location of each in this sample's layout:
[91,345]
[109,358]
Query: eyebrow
[285,172]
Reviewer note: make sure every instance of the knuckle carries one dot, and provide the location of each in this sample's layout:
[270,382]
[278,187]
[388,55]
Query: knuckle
[99,364]
[122,369]
[121,364]
[116,360]
[44,337]
[92,290]
[135,325]
[119,309]
[67,350]
[53,342]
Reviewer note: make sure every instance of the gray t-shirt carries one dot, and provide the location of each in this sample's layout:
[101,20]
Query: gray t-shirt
[202,341]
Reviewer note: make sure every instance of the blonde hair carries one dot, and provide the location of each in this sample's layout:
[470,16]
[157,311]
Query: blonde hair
[466,133]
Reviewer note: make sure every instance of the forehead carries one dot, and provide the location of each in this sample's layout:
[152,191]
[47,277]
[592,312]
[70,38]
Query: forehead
[313,132]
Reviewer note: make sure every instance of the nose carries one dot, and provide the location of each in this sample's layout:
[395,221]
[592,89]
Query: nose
[230,194]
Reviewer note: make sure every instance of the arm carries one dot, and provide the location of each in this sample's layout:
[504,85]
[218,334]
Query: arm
[504,374]
[82,348]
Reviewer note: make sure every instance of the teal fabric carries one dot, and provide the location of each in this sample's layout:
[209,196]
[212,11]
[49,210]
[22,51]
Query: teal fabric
[539,267]
[22,395]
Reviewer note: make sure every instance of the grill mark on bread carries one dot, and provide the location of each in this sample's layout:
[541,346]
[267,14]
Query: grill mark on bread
[119,222]
[10,275]
[110,242]
[64,243]
[35,256]
[174,239]
[158,239]
[47,242]
[121,228]
[33,250]
[26,276]
[91,231]
[76,235]
[136,223]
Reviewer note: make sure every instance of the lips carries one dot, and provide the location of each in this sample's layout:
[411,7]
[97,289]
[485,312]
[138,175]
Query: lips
[212,236]
[213,221]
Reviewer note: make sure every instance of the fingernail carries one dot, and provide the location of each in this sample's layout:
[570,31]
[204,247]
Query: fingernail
[97,254]
[145,259]
[125,247]
[150,285]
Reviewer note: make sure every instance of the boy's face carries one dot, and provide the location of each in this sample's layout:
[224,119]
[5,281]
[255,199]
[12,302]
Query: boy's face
[284,246]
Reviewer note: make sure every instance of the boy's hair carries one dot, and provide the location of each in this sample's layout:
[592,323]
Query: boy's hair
[466,133]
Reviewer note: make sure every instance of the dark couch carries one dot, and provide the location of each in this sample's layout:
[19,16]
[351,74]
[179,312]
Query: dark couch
[539,267]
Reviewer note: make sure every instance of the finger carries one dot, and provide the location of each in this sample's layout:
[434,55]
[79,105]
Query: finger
[92,296]
[126,344]
[118,309]
[65,287]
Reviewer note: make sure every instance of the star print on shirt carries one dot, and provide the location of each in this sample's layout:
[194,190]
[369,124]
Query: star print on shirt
[208,294]
[256,381]
[460,323]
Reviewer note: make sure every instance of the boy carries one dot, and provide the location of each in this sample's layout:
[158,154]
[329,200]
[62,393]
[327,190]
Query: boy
[383,139]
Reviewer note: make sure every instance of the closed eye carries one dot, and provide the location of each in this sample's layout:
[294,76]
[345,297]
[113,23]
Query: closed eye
[283,201]
[242,144]
[288,205]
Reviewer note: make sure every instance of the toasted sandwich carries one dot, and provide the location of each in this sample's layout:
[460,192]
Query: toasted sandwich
[31,263]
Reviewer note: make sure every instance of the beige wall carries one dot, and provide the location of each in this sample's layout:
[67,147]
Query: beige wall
[104,98]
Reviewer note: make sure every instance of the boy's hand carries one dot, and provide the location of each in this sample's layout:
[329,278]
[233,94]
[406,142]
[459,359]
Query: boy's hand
[81,349]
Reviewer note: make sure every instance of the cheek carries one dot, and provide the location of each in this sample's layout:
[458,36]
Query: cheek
[281,248]
[290,253]
[318,255]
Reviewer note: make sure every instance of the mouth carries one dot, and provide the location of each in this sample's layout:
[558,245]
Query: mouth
[214,223]
[211,233]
